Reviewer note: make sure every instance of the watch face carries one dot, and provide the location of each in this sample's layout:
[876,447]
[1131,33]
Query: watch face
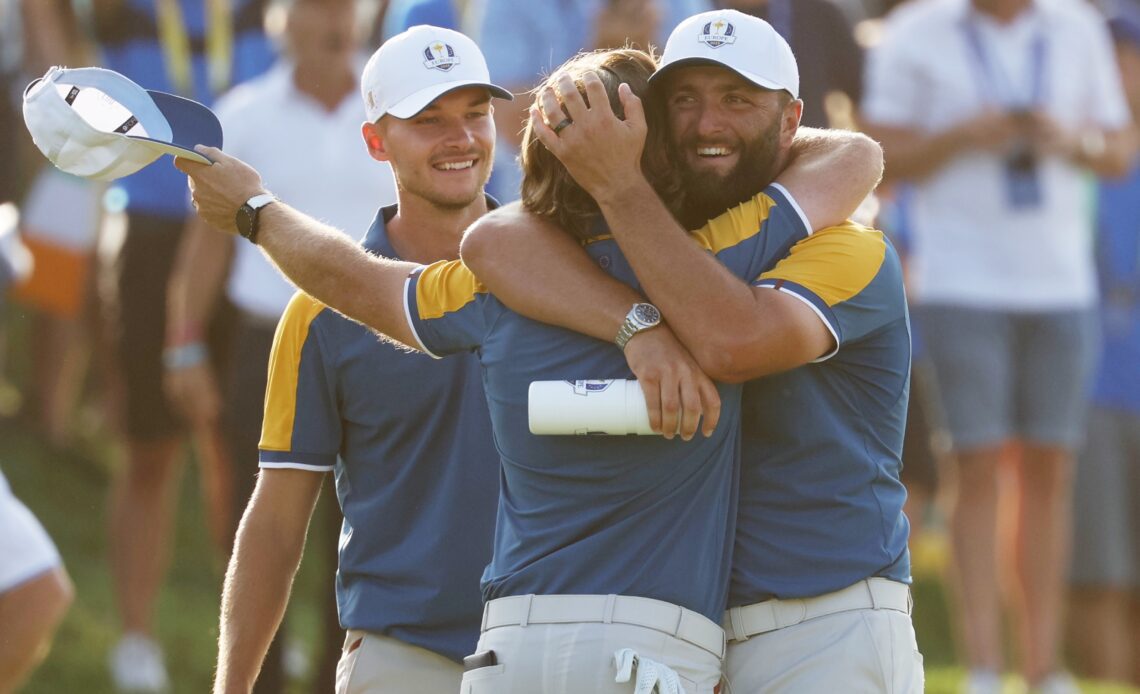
[647,313]
[245,220]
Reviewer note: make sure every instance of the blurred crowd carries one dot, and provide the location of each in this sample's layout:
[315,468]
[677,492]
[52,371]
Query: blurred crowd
[1010,187]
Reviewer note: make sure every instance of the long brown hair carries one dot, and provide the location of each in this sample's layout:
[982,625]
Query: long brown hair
[548,190]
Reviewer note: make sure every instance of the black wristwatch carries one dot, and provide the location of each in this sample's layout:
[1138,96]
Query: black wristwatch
[640,317]
[248,213]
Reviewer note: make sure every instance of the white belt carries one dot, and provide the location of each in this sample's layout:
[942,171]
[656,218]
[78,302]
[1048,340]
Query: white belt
[689,626]
[770,615]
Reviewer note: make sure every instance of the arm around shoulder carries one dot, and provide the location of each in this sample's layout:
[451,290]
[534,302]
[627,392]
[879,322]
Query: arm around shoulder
[830,172]
[540,271]
[778,334]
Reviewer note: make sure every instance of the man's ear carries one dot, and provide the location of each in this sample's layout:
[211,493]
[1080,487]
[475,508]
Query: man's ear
[374,141]
[790,120]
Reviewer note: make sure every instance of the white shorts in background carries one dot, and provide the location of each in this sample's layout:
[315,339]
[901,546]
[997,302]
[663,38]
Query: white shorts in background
[375,664]
[846,648]
[26,551]
[565,644]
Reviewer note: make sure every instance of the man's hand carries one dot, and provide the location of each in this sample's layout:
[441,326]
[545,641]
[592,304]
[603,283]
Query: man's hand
[677,393]
[601,151]
[193,391]
[221,188]
[991,131]
[1050,138]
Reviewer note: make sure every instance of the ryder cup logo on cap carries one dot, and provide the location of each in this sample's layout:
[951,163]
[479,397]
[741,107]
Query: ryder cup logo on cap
[98,124]
[717,34]
[747,45]
[440,56]
[414,68]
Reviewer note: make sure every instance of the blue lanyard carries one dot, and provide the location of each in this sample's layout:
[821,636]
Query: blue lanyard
[993,80]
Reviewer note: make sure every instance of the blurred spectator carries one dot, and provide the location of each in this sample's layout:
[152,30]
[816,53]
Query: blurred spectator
[858,10]
[35,590]
[1105,614]
[11,57]
[830,61]
[59,223]
[11,60]
[525,40]
[402,14]
[196,48]
[996,109]
[310,100]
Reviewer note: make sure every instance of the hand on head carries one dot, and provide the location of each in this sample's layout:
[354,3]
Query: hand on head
[220,189]
[599,149]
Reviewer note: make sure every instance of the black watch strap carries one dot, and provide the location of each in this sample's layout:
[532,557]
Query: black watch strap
[248,214]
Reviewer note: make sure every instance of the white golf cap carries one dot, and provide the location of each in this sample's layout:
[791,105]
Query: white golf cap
[98,124]
[414,68]
[747,45]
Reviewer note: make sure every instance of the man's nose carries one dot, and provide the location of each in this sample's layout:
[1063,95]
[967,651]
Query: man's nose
[459,135]
[710,121]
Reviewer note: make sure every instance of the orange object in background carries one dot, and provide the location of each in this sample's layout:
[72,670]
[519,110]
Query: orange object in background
[58,281]
[58,223]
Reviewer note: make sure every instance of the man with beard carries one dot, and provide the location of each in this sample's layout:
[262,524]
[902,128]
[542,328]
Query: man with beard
[658,510]
[819,597]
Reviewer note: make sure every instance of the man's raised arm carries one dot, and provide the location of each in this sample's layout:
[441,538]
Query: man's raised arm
[542,272]
[734,331]
[319,260]
[549,278]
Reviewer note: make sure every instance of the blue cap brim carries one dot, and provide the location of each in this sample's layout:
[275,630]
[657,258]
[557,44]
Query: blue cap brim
[191,124]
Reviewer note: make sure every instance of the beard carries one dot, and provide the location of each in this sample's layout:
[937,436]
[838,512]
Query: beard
[708,194]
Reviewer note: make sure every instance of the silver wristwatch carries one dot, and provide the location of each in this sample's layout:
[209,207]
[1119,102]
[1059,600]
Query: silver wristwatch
[640,317]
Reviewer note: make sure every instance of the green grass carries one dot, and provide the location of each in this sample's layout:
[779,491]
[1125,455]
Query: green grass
[68,494]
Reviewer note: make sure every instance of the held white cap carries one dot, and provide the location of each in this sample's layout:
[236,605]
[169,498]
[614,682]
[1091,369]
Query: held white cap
[98,124]
[414,68]
[747,45]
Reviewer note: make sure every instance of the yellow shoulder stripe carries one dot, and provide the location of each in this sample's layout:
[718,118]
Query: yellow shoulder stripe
[445,287]
[836,263]
[733,226]
[284,366]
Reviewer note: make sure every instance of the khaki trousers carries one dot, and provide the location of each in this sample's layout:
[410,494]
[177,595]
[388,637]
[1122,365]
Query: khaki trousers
[859,640]
[374,664]
[565,644]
